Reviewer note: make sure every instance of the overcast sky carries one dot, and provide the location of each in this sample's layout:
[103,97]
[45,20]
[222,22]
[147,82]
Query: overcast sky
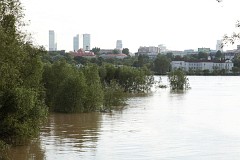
[179,24]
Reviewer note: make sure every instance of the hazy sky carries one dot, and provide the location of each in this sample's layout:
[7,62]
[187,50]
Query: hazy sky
[179,24]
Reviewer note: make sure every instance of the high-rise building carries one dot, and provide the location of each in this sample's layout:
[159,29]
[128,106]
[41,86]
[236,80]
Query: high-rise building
[55,47]
[119,44]
[86,42]
[219,45]
[52,44]
[76,43]
[162,48]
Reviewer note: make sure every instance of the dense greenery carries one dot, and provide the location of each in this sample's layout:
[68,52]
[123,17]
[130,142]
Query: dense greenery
[125,51]
[88,88]
[96,50]
[161,64]
[22,107]
[34,81]
[178,80]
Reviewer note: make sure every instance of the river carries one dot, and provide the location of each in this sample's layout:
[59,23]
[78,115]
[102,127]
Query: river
[202,123]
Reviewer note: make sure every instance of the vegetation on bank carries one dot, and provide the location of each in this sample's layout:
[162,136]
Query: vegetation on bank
[22,95]
[89,88]
[32,82]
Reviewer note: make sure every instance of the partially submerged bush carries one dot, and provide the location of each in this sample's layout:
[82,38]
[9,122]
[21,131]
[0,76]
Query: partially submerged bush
[178,80]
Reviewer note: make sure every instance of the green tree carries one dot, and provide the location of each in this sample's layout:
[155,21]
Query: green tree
[236,70]
[94,92]
[71,96]
[161,64]
[178,80]
[96,50]
[219,55]
[116,51]
[113,96]
[125,51]
[202,55]
[22,108]
[141,61]
[170,55]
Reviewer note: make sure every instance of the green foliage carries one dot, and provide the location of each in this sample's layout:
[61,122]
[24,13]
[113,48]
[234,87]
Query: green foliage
[141,60]
[125,51]
[219,55]
[113,96]
[178,80]
[133,80]
[22,108]
[116,51]
[3,150]
[71,90]
[20,113]
[161,64]
[71,95]
[94,92]
[236,70]
[96,50]
[170,55]
[53,76]
[202,55]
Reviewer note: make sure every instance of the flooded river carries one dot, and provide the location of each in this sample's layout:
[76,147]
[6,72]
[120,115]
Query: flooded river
[202,123]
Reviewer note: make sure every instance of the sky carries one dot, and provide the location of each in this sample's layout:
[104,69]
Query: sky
[178,24]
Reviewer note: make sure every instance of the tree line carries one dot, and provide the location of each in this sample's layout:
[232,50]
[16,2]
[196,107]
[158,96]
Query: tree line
[87,88]
[32,83]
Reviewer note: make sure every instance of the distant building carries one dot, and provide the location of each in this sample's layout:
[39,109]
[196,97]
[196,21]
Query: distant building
[202,65]
[52,44]
[150,51]
[106,51]
[205,50]
[76,43]
[189,51]
[83,53]
[113,56]
[177,53]
[229,55]
[86,42]
[119,44]
[162,48]
[219,46]
[238,47]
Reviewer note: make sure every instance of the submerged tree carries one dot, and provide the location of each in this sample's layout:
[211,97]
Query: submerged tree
[113,96]
[178,80]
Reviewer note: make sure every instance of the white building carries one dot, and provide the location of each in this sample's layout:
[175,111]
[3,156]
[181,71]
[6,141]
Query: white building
[119,44]
[162,48]
[52,44]
[86,42]
[76,43]
[202,65]
[150,51]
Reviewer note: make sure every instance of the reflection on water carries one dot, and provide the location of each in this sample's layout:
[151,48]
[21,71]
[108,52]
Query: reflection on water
[61,137]
[32,151]
[66,134]
[201,123]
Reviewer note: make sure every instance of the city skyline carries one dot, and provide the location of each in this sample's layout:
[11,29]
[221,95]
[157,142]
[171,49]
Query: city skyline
[186,24]
[119,45]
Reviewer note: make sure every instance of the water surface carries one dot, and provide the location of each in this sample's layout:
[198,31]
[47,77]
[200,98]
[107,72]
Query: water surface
[201,123]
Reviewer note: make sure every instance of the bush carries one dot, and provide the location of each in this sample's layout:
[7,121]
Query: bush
[178,80]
